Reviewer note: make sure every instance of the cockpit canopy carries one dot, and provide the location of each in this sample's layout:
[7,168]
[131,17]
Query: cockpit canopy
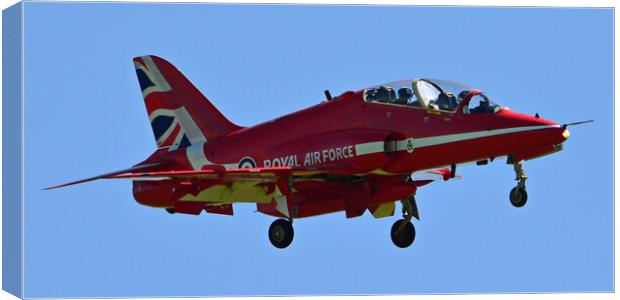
[430,94]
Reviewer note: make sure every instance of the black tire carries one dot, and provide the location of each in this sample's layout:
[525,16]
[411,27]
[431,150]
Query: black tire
[170,210]
[405,237]
[518,196]
[281,233]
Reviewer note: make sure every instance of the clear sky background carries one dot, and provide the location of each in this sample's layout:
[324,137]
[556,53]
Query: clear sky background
[84,115]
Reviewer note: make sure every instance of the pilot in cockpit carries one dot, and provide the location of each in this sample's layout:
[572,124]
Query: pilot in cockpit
[443,101]
[404,95]
[462,95]
[385,94]
[484,107]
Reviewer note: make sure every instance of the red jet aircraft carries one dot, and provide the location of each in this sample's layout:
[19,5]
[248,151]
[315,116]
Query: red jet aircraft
[362,150]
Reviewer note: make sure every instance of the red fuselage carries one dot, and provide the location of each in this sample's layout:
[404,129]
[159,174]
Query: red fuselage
[351,136]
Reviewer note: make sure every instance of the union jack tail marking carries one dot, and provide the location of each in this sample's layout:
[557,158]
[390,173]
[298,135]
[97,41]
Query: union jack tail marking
[180,115]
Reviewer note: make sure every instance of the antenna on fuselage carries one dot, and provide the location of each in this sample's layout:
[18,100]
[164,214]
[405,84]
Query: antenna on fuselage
[328,95]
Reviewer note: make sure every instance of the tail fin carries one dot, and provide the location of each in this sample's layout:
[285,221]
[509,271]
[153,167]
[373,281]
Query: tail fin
[180,115]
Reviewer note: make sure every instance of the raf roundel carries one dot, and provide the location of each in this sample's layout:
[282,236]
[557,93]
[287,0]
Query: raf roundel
[247,162]
[409,145]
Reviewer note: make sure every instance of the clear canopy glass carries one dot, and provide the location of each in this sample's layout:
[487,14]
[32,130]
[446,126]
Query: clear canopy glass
[431,94]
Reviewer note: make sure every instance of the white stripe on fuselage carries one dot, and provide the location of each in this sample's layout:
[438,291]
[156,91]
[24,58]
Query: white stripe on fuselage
[196,155]
[369,148]
[451,138]
[401,145]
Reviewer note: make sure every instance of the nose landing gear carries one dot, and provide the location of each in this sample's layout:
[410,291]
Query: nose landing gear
[403,232]
[518,194]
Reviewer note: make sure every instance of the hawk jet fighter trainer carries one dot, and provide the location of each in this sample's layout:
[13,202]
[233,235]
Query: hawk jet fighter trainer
[363,150]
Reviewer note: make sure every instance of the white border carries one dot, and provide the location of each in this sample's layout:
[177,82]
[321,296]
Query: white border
[508,3]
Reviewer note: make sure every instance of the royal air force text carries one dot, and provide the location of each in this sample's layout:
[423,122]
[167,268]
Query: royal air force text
[311,158]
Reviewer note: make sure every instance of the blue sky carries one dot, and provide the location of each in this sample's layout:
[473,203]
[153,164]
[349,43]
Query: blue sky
[84,115]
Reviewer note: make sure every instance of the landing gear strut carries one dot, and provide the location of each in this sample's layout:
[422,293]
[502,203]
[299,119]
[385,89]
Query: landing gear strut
[281,233]
[403,232]
[518,194]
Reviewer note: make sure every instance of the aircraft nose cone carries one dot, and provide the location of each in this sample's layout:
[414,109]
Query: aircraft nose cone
[565,134]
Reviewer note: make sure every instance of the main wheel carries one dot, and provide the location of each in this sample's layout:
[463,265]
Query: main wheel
[405,237]
[518,196]
[170,210]
[281,233]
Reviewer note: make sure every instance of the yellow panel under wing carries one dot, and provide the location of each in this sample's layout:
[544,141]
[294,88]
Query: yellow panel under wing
[384,210]
[216,193]
[249,192]
[242,191]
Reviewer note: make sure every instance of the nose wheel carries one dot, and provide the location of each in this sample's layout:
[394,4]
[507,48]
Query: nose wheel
[403,231]
[281,233]
[518,194]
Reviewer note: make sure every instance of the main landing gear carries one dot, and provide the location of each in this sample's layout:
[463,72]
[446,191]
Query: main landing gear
[518,194]
[281,233]
[403,232]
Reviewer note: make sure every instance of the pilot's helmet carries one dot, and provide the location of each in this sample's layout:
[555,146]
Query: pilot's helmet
[463,94]
[405,93]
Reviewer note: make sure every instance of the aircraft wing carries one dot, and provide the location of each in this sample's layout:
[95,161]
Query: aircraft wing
[257,175]
[272,174]
[217,172]
[107,175]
